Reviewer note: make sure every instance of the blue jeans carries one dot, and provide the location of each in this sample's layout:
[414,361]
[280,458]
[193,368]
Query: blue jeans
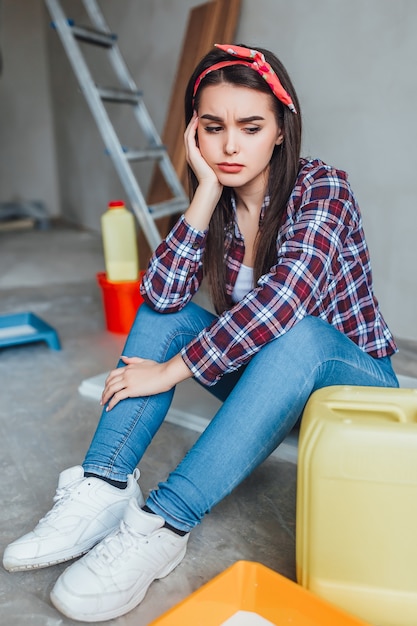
[262,402]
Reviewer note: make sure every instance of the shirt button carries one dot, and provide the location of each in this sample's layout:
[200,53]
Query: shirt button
[195,246]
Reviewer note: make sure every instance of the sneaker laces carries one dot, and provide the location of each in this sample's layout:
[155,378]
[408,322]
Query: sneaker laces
[62,495]
[117,544]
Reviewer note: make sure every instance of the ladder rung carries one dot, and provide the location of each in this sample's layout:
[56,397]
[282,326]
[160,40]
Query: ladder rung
[110,94]
[125,92]
[148,154]
[93,36]
[171,207]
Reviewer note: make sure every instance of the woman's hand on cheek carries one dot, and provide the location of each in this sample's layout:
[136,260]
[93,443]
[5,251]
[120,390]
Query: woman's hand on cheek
[195,159]
[209,189]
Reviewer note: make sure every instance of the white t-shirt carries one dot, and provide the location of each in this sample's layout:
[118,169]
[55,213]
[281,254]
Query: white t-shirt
[244,283]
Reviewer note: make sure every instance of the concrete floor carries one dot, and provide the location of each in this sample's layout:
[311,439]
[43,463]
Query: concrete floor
[46,425]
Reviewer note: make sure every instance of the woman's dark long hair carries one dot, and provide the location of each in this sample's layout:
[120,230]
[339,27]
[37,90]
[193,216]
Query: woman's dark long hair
[284,166]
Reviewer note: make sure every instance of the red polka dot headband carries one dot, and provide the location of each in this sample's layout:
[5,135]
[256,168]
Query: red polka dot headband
[255,60]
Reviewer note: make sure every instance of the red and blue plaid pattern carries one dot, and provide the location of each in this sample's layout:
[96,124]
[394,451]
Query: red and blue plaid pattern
[322,269]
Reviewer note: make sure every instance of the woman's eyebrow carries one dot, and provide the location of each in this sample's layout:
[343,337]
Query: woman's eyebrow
[241,120]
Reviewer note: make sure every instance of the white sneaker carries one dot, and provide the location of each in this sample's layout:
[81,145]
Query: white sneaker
[114,577]
[85,511]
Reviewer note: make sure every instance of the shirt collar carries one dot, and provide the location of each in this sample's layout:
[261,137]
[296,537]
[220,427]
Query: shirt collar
[265,205]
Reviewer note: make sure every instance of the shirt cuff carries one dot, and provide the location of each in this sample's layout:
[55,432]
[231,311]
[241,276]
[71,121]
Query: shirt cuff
[186,241]
[206,363]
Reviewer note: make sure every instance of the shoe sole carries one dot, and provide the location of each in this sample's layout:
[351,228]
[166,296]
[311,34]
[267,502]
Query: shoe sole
[32,566]
[69,556]
[68,609]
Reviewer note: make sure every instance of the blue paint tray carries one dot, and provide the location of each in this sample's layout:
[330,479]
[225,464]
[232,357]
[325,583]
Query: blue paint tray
[21,328]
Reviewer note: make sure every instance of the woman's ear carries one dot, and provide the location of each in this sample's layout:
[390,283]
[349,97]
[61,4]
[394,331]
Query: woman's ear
[280,138]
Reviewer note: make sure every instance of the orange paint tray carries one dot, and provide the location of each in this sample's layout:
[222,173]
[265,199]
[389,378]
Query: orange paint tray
[253,588]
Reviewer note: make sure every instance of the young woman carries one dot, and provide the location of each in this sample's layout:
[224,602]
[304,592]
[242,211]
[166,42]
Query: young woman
[279,241]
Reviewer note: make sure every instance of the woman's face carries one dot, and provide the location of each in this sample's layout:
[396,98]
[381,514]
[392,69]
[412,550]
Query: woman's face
[237,132]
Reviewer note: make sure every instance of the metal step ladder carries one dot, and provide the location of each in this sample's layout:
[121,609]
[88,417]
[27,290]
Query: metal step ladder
[97,33]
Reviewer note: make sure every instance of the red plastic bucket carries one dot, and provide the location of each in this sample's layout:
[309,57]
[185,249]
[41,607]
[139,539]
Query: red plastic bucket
[121,301]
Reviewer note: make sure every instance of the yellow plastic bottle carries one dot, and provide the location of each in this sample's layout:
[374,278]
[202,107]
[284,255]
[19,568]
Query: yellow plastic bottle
[119,243]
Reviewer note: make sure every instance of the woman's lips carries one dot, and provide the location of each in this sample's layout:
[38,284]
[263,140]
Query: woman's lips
[230,168]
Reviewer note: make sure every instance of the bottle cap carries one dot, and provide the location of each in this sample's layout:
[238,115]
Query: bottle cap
[116,204]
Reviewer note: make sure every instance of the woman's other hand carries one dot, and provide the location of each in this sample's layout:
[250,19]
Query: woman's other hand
[142,377]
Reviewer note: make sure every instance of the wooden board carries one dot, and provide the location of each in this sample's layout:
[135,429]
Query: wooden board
[209,23]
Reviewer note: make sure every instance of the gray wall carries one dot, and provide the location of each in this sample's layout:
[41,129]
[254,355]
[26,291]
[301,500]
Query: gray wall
[27,159]
[352,62]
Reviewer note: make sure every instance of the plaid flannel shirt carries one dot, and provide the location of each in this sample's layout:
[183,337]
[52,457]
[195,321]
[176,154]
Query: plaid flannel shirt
[322,269]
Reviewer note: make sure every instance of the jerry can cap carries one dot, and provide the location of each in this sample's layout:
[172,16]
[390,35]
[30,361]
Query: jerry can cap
[116,204]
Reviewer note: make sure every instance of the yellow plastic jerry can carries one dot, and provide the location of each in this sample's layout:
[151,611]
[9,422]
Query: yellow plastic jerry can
[356,520]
